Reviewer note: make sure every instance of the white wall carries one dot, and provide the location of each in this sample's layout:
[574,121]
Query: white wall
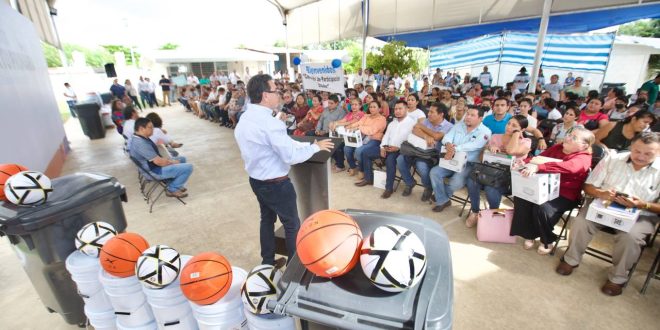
[30,126]
[629,64]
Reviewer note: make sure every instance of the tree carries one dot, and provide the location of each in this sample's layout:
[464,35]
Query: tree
[649,28]
[127,53]
[396,57]
[52,55]
[279,43]
[95,58]
[169,46]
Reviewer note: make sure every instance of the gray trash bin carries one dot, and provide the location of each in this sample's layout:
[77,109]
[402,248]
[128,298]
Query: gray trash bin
[43,236]
[352,302]
[90,120]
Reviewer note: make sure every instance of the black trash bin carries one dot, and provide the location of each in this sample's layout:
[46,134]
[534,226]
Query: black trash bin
[43,235]
[90,120]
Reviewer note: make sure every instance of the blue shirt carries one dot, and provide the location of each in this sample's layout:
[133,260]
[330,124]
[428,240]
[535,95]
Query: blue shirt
[443,127]
[266,149]
[497,126]
[118,90]
[471,142]
[144,151]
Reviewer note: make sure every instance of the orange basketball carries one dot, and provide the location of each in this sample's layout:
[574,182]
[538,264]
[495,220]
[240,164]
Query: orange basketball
[206,278]
[6,171]
[328,243]
[120,253]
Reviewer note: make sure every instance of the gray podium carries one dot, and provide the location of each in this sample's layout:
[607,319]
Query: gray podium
[312,182]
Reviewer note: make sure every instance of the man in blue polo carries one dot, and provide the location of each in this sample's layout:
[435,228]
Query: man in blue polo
[117,90]
[497,121]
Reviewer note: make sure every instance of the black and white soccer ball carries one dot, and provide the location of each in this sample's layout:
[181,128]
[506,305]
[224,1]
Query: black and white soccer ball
[91,237]
[260,286]
[28,188]
[158,266]
[393,258]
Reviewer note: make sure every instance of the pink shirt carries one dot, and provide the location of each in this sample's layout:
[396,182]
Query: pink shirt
[496,141]
[354,116]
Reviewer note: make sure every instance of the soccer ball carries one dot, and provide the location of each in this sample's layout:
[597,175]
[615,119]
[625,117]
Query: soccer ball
[91,237]
[158,266]
[28,188]
[260,287]
[393,258]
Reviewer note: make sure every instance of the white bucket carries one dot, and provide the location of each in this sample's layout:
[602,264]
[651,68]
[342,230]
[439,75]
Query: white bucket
[150,326]
[269,321]
[119,285]
[135,318]
[128,301]
[97,302]
[88,288]
[102,320]
[186,322]
[170,314]
[82,267]
[227,313]
[170,295]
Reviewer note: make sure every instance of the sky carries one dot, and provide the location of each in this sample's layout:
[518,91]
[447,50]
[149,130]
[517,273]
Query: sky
[149,24]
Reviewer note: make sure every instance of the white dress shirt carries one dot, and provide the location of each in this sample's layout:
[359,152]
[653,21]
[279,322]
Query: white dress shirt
[266,149]
[416,115]
[397,132]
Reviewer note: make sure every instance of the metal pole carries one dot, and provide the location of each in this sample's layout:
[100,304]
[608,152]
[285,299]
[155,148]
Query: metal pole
[543,29]
[607,66]
[365,19]
[499,60]
[288,52]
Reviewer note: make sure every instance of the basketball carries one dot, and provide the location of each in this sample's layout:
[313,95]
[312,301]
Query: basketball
[27,188]
[393,258]
[158,266]
[120,253]
[328,243]
[206,278]
[91,237]
[6,171]
[260,287]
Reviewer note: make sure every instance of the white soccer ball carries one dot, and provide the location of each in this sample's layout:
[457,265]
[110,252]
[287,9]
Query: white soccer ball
[28,188]
[158,266]
[260,287]
[91,237]
[393,258]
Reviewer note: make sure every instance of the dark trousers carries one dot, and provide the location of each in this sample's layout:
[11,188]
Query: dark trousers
[531,221]
[338,156]
[276,199]
[144,96]
[135,100]
[152,99]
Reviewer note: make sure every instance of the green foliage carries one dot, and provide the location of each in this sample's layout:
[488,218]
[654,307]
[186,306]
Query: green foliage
[169,46]
[649,28]
[397,58]
[52,55]
[95,58]
[279,43]
[355,52]
[127,53]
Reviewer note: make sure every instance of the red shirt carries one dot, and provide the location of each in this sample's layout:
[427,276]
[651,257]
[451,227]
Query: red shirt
[574,169]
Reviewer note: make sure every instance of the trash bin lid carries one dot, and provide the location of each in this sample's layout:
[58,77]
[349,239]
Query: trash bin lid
[70,193]
[352,302]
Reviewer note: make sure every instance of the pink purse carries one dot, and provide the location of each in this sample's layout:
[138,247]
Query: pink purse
[495,225]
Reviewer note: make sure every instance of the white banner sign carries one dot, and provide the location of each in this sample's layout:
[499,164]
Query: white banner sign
[323,77]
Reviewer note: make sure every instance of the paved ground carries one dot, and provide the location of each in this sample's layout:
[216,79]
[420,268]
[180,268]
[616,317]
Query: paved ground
[496,286]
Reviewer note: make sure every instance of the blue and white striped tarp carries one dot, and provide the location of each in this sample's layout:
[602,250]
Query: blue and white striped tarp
[579,53]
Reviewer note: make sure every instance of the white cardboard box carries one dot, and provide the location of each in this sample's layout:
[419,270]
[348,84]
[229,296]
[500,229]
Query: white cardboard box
[380,178]
[497,158]
[353,139]
[340,131]
[621,219]
[537,188]
[418,142]
[456,164]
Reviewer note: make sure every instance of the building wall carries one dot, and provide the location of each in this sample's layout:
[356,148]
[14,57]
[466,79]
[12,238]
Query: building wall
[31,130]
[628,64]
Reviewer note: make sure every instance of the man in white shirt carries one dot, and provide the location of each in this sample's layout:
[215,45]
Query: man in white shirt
[151,89]
[247,76]
[397,132]
[233,77]
[359,88]
[358,78]
[223,79]
[413,112]
[521,80]
[550,105]
[143,89]
[397,81]
[485,78]
[71,98]
[554,87]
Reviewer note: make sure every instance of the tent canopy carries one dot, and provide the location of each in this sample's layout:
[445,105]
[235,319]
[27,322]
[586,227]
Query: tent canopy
[424,23]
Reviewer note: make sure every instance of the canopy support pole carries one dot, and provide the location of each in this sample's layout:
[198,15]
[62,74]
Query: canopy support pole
[543,29]
[288,52]
[365,31]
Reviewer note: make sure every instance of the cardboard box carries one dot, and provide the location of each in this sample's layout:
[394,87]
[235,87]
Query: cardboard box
[537,188]
[498,158]
[353,139]
[340,131]
[380,178]
[456,164]
[418,142]
[611,216]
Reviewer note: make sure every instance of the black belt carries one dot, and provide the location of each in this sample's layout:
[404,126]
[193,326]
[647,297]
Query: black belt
[275,180]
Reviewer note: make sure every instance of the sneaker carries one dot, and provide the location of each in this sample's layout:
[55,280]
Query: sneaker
[472,219]
[407,190]
[426,195]
[543,250]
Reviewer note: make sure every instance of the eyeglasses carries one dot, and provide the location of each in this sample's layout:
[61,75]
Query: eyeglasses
[574,138]
[274,92]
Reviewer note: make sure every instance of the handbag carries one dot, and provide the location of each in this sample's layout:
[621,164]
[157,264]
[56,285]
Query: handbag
[492,174]
[495,226]
[432,155]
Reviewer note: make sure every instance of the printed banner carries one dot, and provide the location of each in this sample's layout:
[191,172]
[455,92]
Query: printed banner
[323,77]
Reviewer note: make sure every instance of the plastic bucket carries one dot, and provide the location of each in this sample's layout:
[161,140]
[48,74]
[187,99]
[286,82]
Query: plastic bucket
[149,326]
[227,313]
[235,321]
[101,320]
[169,314]
[82,266]
[269,321]
[119,285]
[88,288]
[186,322]
[97,302]
[135,318]
[127,302]
[170,295]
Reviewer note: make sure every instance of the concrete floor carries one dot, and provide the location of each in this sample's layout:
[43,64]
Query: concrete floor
[496,286]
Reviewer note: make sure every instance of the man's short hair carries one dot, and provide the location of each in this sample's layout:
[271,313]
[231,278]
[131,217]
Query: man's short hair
[128,112]
[258,85]
[480,110]
[441,108]
[550,103]
[334,98]
[405,103]
[141,123]
[501,99]
[415,96]
[646,138]
[526,100]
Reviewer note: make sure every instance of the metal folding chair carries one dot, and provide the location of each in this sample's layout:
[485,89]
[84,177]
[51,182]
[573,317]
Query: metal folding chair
[149,184]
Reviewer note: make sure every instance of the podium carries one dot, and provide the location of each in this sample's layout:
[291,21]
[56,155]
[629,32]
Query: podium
[311,179]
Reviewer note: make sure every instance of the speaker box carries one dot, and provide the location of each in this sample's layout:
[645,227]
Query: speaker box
[110,70]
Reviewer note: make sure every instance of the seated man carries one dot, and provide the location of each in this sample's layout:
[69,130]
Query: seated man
[397,131]
[146,153]
[497,121]
[470,136]
[631,179]
[431,129]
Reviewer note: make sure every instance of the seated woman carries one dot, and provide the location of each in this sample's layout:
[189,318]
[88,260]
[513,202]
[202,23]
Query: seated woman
[512,143]
[372,127]
[591,118]
[617,135]
[458,111]
[308,124]
[560,130]
[352,117]
[117,114]
[619,110]
[300,109]
[532,221]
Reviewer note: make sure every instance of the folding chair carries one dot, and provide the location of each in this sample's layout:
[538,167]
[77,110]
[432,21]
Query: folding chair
[654,271]
[146,177]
